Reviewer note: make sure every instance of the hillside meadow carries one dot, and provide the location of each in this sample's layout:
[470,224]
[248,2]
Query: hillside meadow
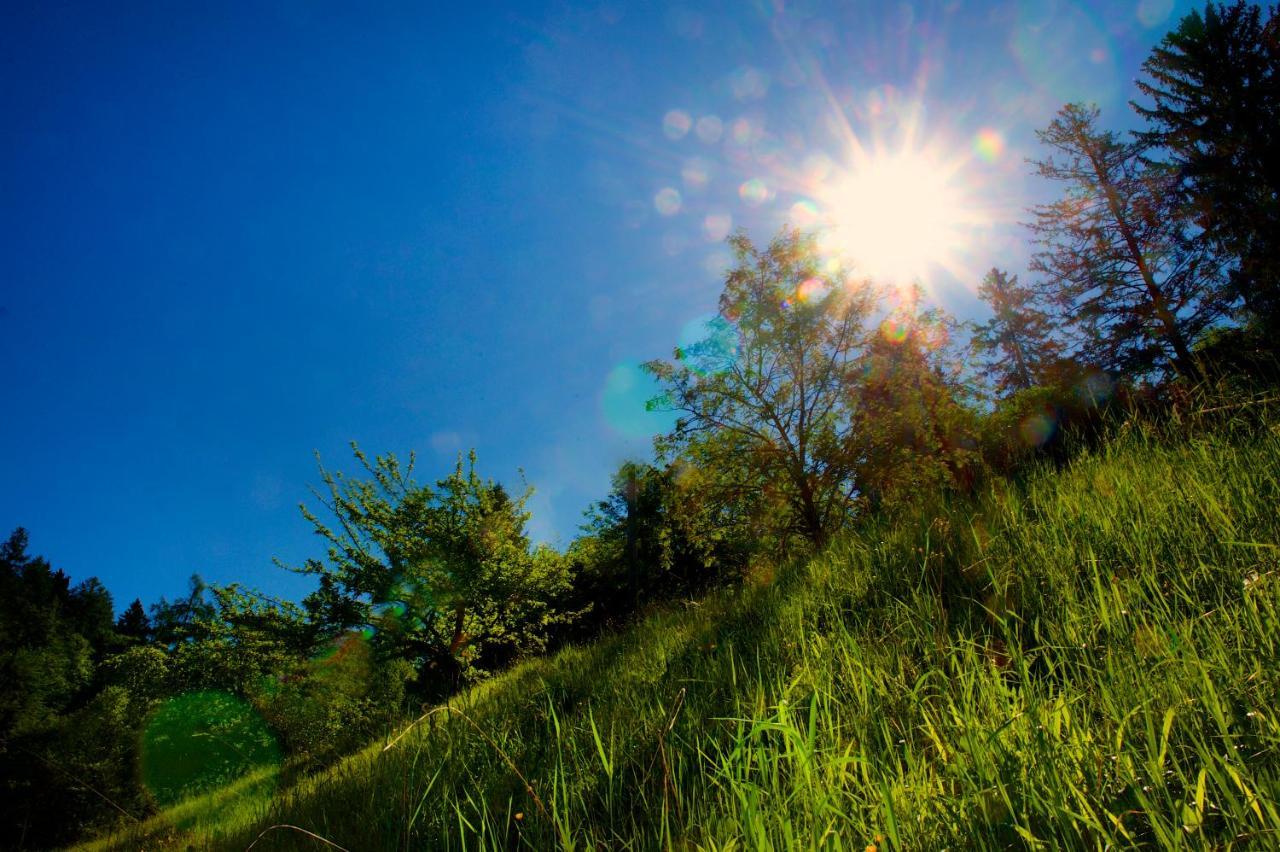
[1085,658]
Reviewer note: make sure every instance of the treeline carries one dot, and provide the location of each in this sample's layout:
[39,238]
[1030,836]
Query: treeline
[816,400]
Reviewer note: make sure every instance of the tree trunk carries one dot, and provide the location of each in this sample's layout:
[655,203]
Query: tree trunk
[458,615]
[1182,360]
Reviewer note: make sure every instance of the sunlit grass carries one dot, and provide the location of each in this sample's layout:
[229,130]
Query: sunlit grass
[1105,674]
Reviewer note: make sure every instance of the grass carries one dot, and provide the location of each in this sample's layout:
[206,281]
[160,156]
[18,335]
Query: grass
[1087,659]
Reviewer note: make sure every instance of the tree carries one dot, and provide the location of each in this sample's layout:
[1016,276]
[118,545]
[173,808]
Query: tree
[444,577]
[50,638]
[768,416]
[1214,90]
[44,660]
[1017,342]
[133,624]
[913,434]
[643,541]
[1114,259]
[185,619]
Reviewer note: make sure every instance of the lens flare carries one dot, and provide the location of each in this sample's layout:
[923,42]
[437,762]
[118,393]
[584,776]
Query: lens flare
[709,129]
[708,344]
[1095,388]
[749,84]
[934,335]
[895,328]
[200,740]
[817,167]
[755,192]
[676,124]
[715,263]
[811,289]
[696,174]
[988,144]
[667,201]
[1036,429]
[716,226]
[804,214]
[1066,52]
[1153,13]
[742,131]
[625,402]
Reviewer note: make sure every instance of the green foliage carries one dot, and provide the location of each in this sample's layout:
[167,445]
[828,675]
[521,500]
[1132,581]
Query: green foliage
[1084,660]
[445,576]
[1214,106]
[646,541]
[51,636]
[766,425]
[200,740]
[335,702]
[1116,260]
[1016,344]
[920,654]
[913,434]
[186,619]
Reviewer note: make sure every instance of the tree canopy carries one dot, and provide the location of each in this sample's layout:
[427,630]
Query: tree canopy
[770,412]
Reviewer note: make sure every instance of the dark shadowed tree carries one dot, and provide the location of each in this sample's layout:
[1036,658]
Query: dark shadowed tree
[914,435]
[1115,260]
[186,619]
[1013,346]
[645,541]
[51,636]
[1213,86]
[769,415]
[133,624]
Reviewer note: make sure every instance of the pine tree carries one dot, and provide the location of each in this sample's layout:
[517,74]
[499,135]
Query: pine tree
[133,623]
[1137,289]
[1015,344]
[1214,90]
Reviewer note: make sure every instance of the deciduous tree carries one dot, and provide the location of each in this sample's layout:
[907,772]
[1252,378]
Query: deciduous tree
[769,414]
[445,576]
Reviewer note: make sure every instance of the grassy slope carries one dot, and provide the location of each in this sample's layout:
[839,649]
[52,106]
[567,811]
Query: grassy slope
[1114,679]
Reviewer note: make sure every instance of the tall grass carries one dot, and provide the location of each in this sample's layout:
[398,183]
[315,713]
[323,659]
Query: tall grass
[1088,659]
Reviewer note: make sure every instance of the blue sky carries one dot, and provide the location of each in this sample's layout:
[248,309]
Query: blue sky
[234,235]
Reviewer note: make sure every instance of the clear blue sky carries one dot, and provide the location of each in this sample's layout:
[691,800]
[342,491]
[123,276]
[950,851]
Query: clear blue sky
[232,236]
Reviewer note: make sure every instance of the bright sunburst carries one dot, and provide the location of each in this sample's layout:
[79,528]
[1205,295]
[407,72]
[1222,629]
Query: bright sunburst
[895,216]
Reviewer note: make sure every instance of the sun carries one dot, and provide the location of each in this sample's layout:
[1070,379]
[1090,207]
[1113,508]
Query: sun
[895,216]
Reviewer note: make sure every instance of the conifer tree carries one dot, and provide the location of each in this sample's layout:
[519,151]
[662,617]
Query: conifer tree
[1015,344]
[133,623]
[1214,90]
[1115,261]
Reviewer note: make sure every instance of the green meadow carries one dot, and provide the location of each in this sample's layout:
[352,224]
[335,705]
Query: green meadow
[1085,658]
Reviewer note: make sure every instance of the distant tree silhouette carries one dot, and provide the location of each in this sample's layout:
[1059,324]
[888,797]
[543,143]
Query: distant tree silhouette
[133,624]
[1115,260]
[1015,344]
[1214,90]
